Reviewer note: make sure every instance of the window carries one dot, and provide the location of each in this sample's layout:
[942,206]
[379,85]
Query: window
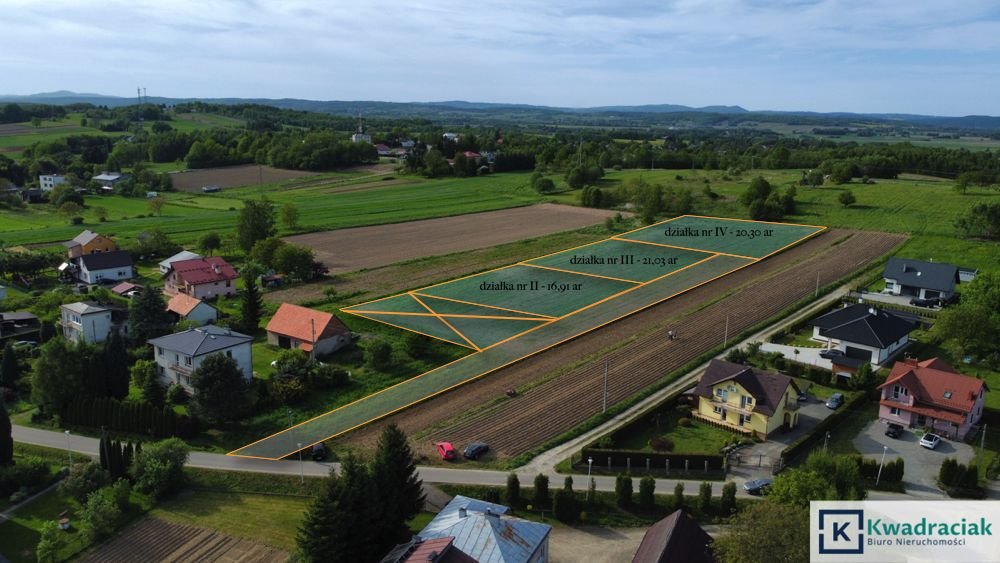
[229,353]
[718,410]
[947,394]
[229,283]
[894,411]
[744,418]
[159,351]
[187,360]
[899,391]
[720,392]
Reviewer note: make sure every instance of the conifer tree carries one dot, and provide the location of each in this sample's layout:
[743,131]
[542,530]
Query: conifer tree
[400,491]
[251,302]
[116,366]
[341,526]
[6,436]
[148,316]
[10,370]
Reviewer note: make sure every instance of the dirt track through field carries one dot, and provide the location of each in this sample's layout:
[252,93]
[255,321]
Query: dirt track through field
[346,250]
[572,393]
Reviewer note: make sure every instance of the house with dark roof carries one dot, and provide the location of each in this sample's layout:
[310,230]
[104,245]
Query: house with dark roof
[675,539]
[472,530]
[923,280]
[931,394]
[742,399]
[855,334]
[201,278]
[178,355]
[89,242]
[315,332]
[102,267]
[187,308]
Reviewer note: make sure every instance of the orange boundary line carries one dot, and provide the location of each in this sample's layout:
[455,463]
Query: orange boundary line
[822,228]
[453,316]
[687,248]
[410,329]
[375,301]
[455,330]
[578,273]
[750,262]
[487,306]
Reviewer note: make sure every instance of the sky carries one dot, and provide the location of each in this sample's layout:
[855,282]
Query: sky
[873,56]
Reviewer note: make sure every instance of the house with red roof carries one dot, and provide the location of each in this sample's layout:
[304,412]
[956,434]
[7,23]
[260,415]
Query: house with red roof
[931,394]
[300,328]
[201,278]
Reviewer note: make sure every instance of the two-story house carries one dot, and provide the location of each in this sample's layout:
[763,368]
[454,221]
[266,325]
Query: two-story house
[48,182]
[89,242]
[746,400]
[86,322]
[924,280]
[201,278]
[859,333]
[931,394]
[178,355]
[104,267]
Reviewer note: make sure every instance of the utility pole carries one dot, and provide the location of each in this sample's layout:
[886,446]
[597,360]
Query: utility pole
[605,387]
[982,444]
[725,338]
[817,284]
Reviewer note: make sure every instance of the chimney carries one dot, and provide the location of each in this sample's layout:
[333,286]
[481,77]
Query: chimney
[217,268]
[910,360]
[872,311]
[462,512]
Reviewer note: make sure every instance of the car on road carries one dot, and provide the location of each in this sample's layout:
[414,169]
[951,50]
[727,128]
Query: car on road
[835,401]
[924,302]
[25,344]
[952,299]
[319,452]
[475,449]
[930,441]
[758,486]
[894,430]
[446,450]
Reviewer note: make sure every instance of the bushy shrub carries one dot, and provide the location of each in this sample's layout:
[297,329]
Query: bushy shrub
[647,492]
[623,490]
[29,472]
[566,507]
[661,444]
[541,496]
[684,422]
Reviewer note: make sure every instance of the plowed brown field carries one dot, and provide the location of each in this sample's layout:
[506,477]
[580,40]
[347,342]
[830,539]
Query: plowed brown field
[640,354]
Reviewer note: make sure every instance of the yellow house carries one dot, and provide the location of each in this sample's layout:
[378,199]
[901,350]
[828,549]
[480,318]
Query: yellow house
[89,242]
[741,399]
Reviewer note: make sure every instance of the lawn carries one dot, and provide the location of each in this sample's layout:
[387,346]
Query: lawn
[696,438]
[268,519]
[842,436]
[802,339]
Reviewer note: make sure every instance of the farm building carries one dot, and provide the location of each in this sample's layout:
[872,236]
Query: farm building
[182,255]
[109,179]
[178,355]
[676,539]
[18,322]
[125,289]
[48,182]
[305,329]
[187,308]
[856,334]
[89,242]
[102,267]
[745,400]
[89,322]
[472,530]
[931,394]
[201,278]
[923,280]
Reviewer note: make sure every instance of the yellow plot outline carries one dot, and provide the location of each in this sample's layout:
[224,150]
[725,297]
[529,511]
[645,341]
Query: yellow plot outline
[712,255]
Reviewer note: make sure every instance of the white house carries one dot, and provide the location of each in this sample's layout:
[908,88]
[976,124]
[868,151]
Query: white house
[924,280]
[48,182]
[104,266]
[192,309]
[109,179]
[182,255]
[178,355]
[858,333]
[201,278]
[86,322]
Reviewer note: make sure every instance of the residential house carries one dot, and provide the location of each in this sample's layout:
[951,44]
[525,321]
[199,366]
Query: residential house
[676,539]
[855,334]
[103,267]
[407,143]
[931,394]
[201,278]
[450,136]
[86,321]
[109,179]
[383,149]
[48,182]
[178,355]
[126,289]
[187,308]
[182,255]
[307,329]
[472,530]
[923,280]
[33,195]
[89,242]
[745,400]
[18,322]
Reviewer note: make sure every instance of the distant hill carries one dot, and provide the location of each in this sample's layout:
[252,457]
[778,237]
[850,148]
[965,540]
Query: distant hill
[487,112]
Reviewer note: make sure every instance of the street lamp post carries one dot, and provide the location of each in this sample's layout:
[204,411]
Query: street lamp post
[590,462]
[69,450]
[826,441]
[880,464]
[302,475]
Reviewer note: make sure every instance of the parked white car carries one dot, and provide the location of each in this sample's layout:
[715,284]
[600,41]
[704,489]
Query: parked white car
[930,441]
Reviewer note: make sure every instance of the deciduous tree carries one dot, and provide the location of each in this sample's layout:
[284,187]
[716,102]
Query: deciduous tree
[787,537]
[221,392]
[255,222]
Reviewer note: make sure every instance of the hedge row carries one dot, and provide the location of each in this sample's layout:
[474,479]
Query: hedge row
[129,416]
[802,445]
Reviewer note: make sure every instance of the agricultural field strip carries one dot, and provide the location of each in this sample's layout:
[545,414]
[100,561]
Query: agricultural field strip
[447,383]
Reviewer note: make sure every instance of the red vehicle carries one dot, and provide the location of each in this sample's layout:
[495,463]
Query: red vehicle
[446,451]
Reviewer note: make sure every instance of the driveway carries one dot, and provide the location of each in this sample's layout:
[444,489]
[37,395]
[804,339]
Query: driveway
[808,356]
[757,461]
[922,465]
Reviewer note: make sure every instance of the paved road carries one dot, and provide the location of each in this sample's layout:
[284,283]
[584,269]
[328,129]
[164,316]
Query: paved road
[89,446]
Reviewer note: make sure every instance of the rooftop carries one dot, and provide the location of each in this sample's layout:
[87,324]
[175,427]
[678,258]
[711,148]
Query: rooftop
[81,239]
[675,539]
[304,324]
[917,273]
[200,341]
[935,384]
[204,270]
[767,388]
[107,260]
[489,537]
[183,304]
[85,307]
[862,324]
